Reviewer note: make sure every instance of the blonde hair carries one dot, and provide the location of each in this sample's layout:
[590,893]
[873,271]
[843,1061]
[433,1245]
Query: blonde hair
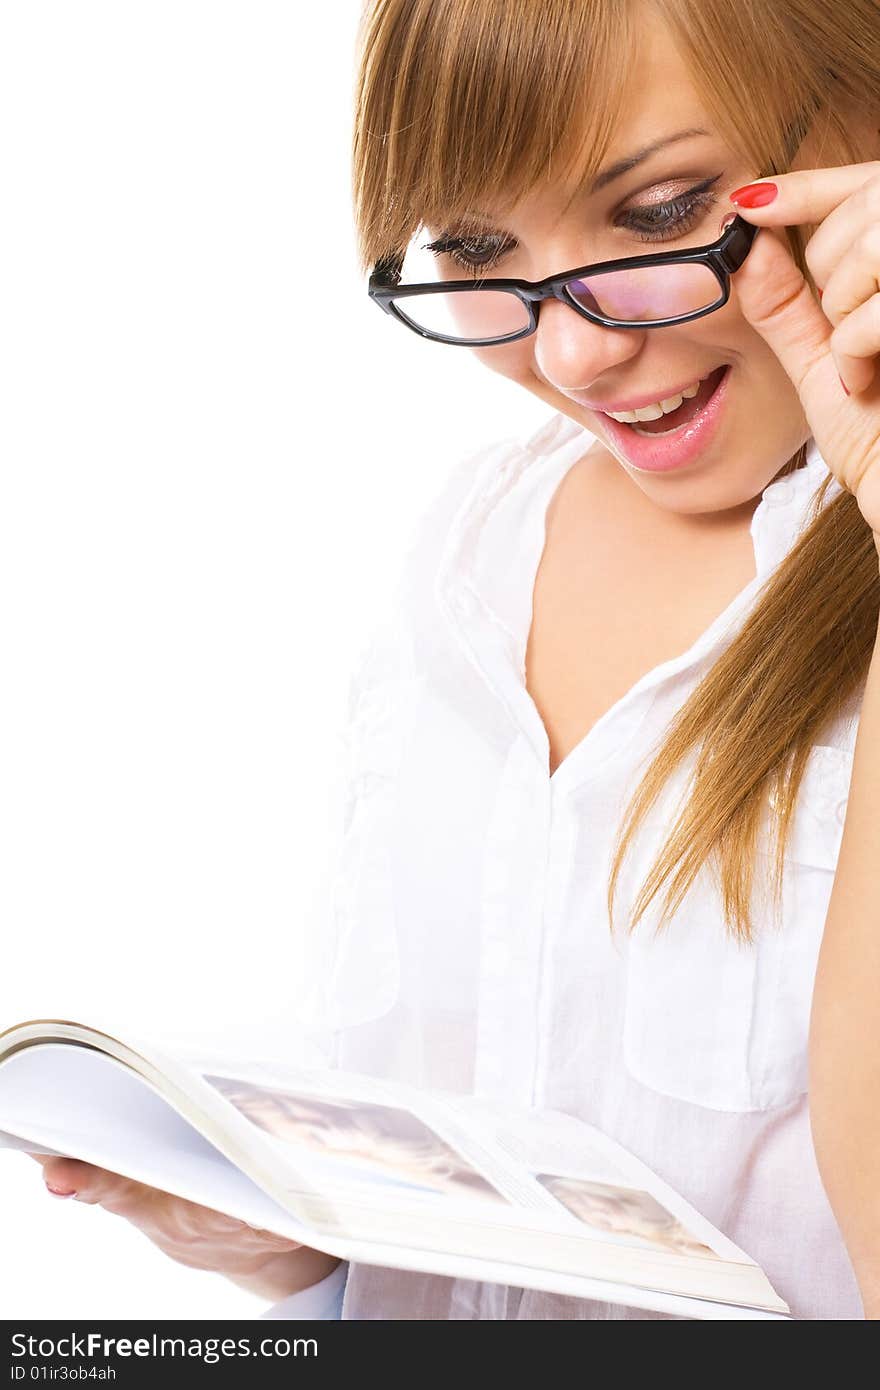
[460,101]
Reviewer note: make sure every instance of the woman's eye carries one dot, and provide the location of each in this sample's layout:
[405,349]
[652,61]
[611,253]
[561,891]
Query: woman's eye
[480,253]
[674,217]
[473,253]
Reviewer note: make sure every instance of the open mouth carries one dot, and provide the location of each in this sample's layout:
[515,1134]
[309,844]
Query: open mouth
[682,430]
[670,420]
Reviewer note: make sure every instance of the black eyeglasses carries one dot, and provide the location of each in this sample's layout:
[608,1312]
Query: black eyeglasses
[651,291]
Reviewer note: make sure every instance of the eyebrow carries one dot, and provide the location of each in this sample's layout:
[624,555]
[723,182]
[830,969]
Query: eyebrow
[614,171]
[623,166]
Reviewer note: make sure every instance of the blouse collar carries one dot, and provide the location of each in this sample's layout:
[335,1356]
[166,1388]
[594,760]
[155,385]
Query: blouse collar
[495,542]
[783,510]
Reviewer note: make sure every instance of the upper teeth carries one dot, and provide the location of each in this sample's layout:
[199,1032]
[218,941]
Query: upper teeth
[653,412]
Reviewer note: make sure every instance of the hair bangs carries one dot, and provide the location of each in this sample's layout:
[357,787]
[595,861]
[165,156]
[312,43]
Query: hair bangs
[467,106]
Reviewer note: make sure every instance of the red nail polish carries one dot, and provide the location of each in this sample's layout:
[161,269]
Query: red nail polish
[754,195]
[842,382]
[61,1191]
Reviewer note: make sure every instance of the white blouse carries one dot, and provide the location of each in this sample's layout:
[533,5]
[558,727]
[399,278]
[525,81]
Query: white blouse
[467,945]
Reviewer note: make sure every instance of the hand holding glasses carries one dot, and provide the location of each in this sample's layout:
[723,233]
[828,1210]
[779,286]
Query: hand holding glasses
[651,291]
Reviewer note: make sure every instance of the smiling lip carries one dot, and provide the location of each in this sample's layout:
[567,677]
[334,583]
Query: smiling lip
[661,453]
[635,402]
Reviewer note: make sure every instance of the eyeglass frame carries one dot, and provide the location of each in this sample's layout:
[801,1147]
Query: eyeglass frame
[723,257]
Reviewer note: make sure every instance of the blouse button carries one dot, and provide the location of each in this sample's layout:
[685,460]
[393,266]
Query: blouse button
[780,494]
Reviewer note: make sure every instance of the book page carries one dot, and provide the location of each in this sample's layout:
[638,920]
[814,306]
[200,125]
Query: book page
[353,1144]
[345,1132]
[66,1100]
[13,1141]
[607,1191]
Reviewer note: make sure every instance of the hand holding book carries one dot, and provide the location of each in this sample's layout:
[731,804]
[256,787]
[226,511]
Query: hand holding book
[272,1266]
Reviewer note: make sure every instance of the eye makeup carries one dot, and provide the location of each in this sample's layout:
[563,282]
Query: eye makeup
[664,220]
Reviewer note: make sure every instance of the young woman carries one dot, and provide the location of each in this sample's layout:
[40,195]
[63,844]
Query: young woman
[632,655]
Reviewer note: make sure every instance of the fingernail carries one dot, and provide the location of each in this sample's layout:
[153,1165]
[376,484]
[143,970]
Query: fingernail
[754,195]
[61,1191]
[843,383]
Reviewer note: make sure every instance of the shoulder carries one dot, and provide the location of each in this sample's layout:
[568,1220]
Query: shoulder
[479,470]
[469,482]
[388,651]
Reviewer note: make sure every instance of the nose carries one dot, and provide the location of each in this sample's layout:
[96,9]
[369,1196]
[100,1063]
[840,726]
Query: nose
[571,352]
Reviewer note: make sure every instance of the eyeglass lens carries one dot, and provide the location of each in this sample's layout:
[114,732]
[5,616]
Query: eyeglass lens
[469,316]
[649,294]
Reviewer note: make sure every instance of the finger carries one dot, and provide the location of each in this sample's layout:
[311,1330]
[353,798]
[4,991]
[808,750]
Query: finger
[776,300]
[804,196]
[856,345]
[66,1176]
[120,1195]
[855,276]
[852,228]
[72,1177]
[53,1185]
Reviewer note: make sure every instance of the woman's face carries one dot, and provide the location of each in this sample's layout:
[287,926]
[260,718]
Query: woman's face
[582,369]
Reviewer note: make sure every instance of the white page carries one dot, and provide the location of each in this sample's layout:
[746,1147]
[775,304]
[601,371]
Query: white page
[87,1101]
[14,1141]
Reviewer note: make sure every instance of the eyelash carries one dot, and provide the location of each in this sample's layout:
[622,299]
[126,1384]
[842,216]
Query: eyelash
[675,216]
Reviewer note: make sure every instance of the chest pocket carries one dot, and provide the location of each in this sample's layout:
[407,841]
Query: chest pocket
[364,976]
[725,1026]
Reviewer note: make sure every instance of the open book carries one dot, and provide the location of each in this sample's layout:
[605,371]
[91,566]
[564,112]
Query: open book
[376,1171]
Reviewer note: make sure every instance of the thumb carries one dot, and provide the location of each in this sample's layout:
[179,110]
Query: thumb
[777,301]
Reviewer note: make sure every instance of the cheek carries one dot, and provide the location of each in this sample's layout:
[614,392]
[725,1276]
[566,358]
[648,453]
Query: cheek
[728,334]
[515,361]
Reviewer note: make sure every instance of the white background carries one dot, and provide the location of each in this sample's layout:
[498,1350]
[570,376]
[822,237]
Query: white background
[214,452]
